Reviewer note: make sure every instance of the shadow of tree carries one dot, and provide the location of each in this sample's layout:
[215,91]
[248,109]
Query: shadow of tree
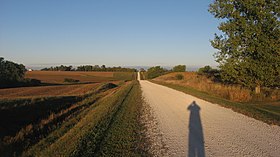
[196,139]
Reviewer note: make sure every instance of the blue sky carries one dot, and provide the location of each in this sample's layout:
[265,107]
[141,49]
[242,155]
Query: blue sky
[111,32]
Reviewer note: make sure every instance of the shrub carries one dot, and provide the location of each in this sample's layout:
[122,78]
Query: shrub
[179,76]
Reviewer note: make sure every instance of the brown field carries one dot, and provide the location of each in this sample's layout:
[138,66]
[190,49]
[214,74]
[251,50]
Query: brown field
[59,76]
[42,91]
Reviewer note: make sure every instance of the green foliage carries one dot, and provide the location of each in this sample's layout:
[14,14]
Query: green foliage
[154,72]
[210,72]
[179,68]
[10,72]
[249,49]
[179,76]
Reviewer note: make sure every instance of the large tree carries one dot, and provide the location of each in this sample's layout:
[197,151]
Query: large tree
[10,72]
[249,45]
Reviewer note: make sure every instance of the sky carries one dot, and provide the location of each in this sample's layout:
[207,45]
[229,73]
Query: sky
[110,32]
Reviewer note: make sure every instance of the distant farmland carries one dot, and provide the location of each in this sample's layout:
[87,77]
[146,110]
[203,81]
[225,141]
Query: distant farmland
[42,91]
[57,77]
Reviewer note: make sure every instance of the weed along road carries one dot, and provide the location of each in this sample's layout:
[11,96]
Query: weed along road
[195,128]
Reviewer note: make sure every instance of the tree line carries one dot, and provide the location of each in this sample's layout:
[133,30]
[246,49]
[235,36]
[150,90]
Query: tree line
[101,68]
[156,71]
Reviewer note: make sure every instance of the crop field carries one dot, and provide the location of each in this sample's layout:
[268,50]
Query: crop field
[72,119]
[47,91]
[58,77]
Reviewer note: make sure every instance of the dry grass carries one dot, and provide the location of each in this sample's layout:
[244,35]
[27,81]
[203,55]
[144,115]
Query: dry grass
[43,91]
[202,83]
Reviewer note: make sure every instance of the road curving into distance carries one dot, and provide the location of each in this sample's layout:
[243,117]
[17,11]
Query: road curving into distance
[196,128]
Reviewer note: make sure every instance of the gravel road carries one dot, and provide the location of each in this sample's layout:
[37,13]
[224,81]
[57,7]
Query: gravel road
[196,128]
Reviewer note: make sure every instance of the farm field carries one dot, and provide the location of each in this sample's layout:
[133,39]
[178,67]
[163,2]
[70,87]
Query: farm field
[57,77]
[39,121]
[47,91]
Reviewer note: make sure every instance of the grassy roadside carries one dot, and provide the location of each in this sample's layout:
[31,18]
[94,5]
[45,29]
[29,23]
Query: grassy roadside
[268,113]
[118,133]
[67,141]
[123,138]
[108,127]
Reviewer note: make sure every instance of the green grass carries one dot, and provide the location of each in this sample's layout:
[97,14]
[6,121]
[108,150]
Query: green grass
[68,142]
[123,137]
[268,112]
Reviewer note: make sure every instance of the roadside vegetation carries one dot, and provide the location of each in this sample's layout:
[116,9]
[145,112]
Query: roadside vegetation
[267,110]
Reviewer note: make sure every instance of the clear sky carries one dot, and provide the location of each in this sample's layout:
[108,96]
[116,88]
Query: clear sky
[111,32]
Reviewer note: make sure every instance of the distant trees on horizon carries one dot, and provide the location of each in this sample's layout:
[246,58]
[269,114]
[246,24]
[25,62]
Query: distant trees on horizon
[102,68]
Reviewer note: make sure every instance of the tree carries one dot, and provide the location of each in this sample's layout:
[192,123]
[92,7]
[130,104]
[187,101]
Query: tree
[179,68]
[10,72]
[156,71]
[249,47]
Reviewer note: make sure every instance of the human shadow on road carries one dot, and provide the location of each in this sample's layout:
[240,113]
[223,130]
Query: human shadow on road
[196,139]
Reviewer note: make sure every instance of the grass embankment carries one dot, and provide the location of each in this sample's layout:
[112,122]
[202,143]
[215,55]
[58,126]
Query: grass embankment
[29,120]
[266,112]
[122,138]
[115,115]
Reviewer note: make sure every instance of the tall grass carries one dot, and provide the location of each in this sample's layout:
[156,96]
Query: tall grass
[266,112]
[202,83]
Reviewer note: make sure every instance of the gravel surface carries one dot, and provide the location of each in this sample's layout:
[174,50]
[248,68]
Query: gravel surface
[189,126]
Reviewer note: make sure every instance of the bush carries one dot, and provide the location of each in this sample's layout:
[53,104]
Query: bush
[156,71]
[179,77]
[179,68]
[69,80]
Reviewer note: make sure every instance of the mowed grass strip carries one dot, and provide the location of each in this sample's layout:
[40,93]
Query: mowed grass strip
[95,119]
[268,112]
[122,138]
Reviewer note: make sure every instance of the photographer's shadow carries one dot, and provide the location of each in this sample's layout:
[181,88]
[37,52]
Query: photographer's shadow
[196,139]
